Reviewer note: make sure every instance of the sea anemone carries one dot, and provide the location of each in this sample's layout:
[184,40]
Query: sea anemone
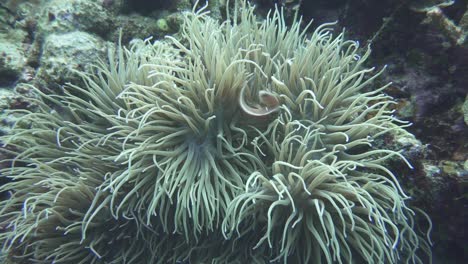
[241,141]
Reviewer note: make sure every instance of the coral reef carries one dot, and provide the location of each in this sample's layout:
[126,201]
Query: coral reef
[241,141]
